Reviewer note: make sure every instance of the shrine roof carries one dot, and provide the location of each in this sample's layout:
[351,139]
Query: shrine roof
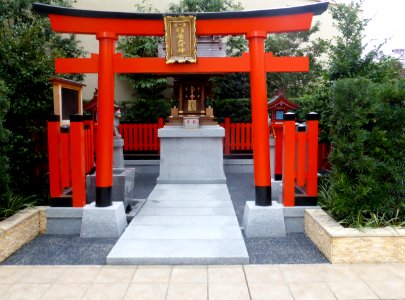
[281,99]
[316,9]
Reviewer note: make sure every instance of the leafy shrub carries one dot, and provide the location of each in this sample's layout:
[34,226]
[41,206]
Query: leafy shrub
[366,186]
[13,203]
[146,110]
[27,51]
[4,134]
[237,109]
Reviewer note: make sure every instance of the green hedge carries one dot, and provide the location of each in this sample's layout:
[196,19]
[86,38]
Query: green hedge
[366,186]
[237,109]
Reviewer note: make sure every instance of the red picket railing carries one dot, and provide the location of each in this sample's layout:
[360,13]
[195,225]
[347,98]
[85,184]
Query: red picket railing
[141,137]
[238,136]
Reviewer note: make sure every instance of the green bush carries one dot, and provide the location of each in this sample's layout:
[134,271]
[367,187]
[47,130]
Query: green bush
[4,134]
[13,203]
[366,186]
[145,110]
[27,51]
[237,109]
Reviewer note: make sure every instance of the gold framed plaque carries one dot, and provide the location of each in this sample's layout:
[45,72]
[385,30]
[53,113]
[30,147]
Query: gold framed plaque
[180,39]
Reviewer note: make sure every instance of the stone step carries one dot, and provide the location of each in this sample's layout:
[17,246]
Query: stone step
[182,232]
[190,192]
[186,203]
[187,211]
[184,220]
[178,252]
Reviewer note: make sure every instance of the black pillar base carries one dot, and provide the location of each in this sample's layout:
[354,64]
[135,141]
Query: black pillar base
[278,177]
[263,195]
[103,196]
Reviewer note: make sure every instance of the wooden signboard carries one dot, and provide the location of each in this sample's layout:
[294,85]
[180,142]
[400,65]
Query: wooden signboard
[180,39]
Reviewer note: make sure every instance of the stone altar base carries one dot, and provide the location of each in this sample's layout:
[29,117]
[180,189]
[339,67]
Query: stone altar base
[263,221]
[103,222]
[191,155]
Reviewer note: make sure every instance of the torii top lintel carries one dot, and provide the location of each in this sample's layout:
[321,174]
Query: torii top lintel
[69,20]
[113,24]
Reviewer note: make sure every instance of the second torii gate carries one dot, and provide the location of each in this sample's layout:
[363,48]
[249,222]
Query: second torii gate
[108,26]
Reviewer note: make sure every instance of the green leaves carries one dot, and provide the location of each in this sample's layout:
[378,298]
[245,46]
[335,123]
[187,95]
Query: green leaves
[366,186]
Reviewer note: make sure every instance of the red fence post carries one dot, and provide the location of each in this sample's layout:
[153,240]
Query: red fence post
[65,161]
[77,152]
[301,155]
[227,146]
[289,160]
[312,136]
[55,184]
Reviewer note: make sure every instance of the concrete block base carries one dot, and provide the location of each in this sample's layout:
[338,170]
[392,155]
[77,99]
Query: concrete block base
[64,220]
[294,218]
[264,221]
[103,222]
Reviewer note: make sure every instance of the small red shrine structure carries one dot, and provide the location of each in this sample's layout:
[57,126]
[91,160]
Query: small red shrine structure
[254,25]
[278,106]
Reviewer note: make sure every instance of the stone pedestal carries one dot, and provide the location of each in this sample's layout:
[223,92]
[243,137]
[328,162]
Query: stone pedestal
[272,143]
[264,221]
[277,191]
[191,155]
[103,222]
[123,185]
[64,220]
[118,158]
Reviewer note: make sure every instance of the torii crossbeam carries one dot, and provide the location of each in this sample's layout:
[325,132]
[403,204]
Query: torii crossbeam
[255,25]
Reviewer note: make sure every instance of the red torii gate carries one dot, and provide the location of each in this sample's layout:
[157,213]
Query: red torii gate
[255,25]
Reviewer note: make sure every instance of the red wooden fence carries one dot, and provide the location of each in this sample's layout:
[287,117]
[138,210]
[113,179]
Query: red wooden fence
[238,136]
[141,137]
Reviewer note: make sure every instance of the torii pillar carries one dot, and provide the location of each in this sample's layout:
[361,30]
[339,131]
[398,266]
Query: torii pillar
[104,147]
[260,127]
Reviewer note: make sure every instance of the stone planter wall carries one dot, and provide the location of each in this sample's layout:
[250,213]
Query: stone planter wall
[21,228]
[350,245]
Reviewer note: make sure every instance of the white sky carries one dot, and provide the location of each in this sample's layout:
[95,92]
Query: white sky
[387,23]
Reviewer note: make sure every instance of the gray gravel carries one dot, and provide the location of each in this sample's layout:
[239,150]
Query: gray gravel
[72,250]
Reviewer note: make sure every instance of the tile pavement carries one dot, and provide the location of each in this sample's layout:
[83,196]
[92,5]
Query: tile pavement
[253,282]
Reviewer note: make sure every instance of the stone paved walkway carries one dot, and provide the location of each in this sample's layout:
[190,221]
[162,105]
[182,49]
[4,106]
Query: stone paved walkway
[276,282]
[183,224]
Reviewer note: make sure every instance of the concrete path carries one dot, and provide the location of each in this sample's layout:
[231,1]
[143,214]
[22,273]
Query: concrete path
[183,224]
[238,282]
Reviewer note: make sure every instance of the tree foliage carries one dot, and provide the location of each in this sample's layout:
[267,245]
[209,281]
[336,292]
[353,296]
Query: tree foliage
[295,44]
[27,51]
[4,134]
[347,57]
[204,6]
